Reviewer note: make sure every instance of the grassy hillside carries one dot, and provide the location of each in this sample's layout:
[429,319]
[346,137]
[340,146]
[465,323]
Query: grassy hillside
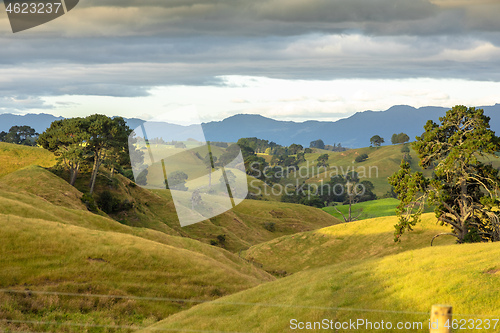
[38,181]
[369,209]
[251,222]
[366,210]
[348,241]
[49,256]
[382,162]
[395,288]
[146,268]
[14,157]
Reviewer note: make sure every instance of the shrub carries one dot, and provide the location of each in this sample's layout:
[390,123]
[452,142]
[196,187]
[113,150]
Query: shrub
[128,173]
[107,202]
[89,202]
[221,239]
[270,226]
[361,158]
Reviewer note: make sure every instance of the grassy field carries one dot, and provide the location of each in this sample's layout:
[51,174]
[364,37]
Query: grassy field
[369,209]
[65,269]
[382,162]
[50,242]
[395,288]
[343,242]
[48,256]
[15,157]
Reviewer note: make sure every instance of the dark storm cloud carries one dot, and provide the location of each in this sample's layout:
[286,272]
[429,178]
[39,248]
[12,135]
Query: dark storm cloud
[276,17]
[125,47]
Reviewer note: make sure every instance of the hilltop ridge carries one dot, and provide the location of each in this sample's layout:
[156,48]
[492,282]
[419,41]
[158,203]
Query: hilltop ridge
[352,132]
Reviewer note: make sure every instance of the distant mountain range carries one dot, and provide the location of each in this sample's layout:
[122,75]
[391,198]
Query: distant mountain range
[353,132]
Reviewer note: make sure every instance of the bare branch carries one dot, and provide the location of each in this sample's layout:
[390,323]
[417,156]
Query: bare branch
[445,233]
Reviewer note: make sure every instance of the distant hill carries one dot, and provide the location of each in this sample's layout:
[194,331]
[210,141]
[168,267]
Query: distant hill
[39,121]
[353,132]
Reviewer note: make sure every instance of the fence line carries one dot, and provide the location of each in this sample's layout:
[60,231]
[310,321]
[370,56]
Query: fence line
[217,302]
[134,328]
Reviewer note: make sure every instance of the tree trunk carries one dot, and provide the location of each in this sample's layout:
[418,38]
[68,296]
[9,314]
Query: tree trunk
[350,210]
[97,163]
[74,174]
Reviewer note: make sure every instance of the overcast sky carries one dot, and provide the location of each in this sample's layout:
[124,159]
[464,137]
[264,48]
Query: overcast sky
[286,59]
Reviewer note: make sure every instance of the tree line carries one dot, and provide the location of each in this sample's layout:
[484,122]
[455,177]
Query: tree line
[92,141]
[21,135]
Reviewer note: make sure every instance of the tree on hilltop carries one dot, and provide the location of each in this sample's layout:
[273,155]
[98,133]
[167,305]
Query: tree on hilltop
[399,138]
[376,141]
[317,144]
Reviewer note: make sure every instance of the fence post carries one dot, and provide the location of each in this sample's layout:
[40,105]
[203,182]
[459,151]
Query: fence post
[441,321]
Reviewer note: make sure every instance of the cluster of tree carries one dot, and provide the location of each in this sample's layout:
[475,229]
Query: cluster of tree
[92,141]
[376,141]
[157,141]
[282,156]
[463,189]
[335,147]
[21,135]
[258,145]
[348,189]
[399,138]
[219,144]
[319,144]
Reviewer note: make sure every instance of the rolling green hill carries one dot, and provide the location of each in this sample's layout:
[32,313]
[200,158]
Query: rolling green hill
[247,224]
[395,288]
[382,162]
[14,157]
[347,241]
[66,269]
[49,256]
[366,210]
[369,209]
[51,243]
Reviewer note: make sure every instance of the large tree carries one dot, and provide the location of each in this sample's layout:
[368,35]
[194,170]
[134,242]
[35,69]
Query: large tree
[66,138]
[462,187]
[317,144]
[323,161]
[376,140]
[106,137]
[399,138]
